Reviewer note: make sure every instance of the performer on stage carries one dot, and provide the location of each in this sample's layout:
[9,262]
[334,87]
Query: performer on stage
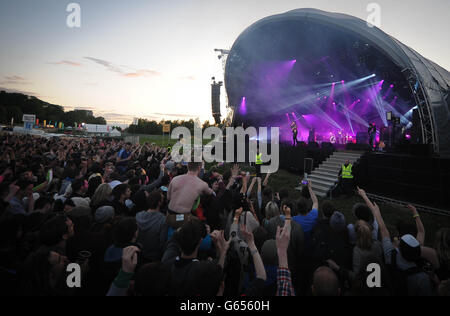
[372,133]
[312,135]
[294,133]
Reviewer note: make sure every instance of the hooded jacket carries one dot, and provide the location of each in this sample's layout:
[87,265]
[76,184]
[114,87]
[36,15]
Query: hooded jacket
[152,234]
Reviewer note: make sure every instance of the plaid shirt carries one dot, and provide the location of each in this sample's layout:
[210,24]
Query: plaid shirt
[284,282]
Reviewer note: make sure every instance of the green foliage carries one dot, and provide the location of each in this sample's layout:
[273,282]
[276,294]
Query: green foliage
[14,105]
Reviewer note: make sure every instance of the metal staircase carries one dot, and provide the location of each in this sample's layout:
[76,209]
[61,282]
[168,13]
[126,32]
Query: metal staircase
[324,177]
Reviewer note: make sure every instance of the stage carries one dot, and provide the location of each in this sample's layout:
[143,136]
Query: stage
[332,77]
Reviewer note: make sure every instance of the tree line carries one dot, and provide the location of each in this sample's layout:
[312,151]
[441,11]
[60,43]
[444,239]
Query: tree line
[153,127]
[14,105]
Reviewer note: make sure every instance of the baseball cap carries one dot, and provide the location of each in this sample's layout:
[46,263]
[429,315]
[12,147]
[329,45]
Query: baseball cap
[409,248]
[337,222]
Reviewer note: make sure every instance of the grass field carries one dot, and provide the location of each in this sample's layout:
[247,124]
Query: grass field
[161,140]
[392,214]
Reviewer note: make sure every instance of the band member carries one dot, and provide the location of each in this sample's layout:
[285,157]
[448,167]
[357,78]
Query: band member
[332,138]
[372,133]
[312,135]
[340,137]
[294,133]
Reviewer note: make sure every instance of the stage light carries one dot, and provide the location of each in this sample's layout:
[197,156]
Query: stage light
[342,81]
[392,85]
[388,116]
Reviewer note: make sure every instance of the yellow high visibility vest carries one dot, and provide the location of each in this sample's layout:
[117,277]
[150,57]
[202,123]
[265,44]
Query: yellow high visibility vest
[347,172]
[258,159]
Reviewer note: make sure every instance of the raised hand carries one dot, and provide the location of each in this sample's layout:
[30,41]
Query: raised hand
[220,242]
[283,237]
[246,235]
[238,213]
[129,259]
[361,192]
[286,210]
[412,209]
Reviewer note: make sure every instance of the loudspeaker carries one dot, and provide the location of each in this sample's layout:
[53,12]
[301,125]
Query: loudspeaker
[215,101]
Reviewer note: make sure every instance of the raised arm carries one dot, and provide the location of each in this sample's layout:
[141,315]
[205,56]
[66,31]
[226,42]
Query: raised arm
[420,229]
[121,283]
[257,261]
[313,196]
[376,214]
[250,188]
[259,193]
[244,183]
[234,174]
[284,281]
[266,180]
[221,244]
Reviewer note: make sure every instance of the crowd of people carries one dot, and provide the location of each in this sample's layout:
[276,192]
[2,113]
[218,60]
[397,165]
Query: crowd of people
[138,223]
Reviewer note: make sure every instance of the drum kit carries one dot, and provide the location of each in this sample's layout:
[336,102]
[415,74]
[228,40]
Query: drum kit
[340,138]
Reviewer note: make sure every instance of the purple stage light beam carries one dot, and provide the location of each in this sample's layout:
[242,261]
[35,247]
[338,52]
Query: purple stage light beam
[243,106]
[388,92]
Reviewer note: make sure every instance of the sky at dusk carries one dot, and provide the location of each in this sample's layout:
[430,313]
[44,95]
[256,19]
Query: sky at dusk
[155,58]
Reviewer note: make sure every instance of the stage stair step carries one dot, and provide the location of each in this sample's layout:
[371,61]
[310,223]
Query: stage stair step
[325,176]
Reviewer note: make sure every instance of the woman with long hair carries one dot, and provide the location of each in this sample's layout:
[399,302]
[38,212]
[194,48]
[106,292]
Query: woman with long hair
[101,196]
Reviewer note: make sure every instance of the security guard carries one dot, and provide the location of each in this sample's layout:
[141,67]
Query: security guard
[258,162]
[346,176]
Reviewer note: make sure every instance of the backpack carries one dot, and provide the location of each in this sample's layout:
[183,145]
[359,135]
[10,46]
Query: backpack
[398,277]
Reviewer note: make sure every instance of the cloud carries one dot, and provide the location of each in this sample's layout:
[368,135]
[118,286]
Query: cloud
[66,62]
[14,78]
[142,73]
[107,64]
[71,108]
[11,80]
[187,78]
[174,115]
[120,69]
[112,117]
